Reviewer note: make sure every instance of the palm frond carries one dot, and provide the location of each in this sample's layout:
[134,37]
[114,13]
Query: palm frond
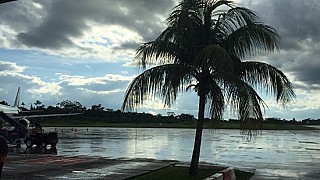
[239,31]
[211,10]
[215,58]
[240,16]
[163,81]
[187,11]
[247,103]
[205,42]
[156,52]
[231,20]
[252,39]
[243,98]
[269,79]
[215,100]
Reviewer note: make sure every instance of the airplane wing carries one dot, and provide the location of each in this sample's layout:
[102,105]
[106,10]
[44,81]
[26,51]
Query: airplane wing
[45,115]
[15,113]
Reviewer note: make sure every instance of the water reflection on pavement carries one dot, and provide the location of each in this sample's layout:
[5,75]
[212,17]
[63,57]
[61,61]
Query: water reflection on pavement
[286,154]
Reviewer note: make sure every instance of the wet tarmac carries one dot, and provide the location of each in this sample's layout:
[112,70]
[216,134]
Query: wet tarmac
[35,167]
[273,155]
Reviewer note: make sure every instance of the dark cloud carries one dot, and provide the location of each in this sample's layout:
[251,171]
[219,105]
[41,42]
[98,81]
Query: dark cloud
[293,19]
[66,19]
[51,25]
[18,15]
[297,23]
[129,45]
[61,23]
[307,71]
[39,39]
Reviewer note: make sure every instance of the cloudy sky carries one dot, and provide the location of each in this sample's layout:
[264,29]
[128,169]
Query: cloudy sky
[83,51]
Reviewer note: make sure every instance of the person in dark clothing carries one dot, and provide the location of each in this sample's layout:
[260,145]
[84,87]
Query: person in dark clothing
[3,152]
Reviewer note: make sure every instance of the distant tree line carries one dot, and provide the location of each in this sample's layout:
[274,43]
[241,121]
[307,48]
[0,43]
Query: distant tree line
[99,113]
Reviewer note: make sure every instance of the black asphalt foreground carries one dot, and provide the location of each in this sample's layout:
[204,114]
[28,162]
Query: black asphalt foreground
[46,166]
[36,163]
[33,167]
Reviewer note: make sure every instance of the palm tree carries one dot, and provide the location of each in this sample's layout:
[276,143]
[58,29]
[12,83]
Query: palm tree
[204,49]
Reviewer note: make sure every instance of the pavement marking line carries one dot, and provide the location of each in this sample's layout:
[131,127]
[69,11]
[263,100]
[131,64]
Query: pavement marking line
[54,160]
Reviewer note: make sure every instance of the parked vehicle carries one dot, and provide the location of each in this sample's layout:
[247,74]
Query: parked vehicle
[20,131]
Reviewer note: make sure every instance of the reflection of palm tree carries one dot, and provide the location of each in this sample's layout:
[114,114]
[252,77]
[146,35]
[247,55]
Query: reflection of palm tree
[203,48]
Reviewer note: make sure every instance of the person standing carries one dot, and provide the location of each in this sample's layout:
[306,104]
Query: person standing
[3,152]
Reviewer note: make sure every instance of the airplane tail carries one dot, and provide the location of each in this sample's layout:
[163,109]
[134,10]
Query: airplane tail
[17,100]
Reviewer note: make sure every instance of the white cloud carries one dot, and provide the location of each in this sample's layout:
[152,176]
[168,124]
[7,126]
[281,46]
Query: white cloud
[82,80]
[7,36]
[105,42]
[37,5]
[9,67]
[47,89]
[101,92]
[89,32]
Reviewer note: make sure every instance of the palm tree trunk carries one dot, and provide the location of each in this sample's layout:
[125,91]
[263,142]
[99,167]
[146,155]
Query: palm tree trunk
[193,170]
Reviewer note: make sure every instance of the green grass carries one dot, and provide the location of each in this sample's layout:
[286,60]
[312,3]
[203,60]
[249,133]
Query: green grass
[265,126]
[242,175]
[176,173]
[81,123]
[181,173]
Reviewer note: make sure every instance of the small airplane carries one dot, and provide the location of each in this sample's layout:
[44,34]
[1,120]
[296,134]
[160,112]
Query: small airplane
[18,130]
[15,113]
[12,110]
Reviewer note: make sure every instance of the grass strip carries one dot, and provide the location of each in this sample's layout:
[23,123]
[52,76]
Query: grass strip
[181,173]
[57,123]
